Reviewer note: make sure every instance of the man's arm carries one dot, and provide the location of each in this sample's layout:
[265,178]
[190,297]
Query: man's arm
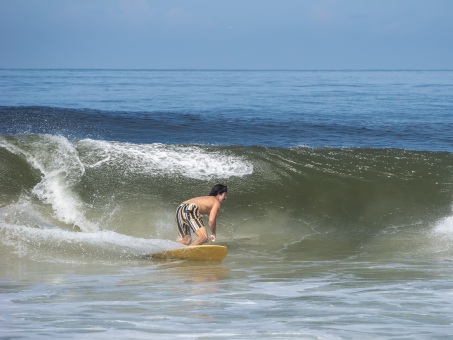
[213,219]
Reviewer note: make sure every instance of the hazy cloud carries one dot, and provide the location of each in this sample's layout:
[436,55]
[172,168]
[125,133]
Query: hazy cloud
[309,34]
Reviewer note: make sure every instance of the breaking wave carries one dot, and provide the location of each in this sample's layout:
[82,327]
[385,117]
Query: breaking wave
[288,200]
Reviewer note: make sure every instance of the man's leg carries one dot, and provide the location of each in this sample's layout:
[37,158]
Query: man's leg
[183,227]
[202,236]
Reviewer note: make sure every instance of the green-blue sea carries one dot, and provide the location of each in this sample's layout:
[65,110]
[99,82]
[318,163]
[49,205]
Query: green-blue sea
[339,218]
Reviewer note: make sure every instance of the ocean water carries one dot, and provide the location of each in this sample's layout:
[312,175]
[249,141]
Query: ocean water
[339,218]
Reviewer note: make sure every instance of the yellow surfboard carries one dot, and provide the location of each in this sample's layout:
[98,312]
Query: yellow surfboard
[198,253]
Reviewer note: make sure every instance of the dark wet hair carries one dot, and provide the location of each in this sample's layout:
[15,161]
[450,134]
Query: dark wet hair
[218,189]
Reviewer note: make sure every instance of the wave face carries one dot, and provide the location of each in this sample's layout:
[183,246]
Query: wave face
[301,198]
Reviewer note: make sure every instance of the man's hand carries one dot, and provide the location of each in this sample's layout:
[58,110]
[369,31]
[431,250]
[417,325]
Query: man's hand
[212,238]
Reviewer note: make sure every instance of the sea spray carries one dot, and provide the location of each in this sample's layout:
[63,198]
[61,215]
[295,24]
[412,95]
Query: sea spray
[57,160]
[159,159]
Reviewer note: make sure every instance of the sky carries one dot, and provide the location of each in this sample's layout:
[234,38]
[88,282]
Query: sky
[227,34]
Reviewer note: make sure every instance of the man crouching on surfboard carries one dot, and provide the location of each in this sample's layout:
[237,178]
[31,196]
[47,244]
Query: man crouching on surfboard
[189,215]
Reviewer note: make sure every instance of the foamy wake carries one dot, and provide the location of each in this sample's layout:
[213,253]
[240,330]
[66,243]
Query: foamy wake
[60,244]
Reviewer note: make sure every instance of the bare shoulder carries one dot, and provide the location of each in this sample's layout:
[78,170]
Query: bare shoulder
[199,199]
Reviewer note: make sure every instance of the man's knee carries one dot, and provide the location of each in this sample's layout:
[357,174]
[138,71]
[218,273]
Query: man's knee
[202,234]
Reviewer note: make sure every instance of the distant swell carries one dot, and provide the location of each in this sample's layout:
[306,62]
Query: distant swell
[241,126]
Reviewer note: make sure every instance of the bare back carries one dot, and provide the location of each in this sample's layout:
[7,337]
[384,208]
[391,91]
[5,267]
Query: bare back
[204,203]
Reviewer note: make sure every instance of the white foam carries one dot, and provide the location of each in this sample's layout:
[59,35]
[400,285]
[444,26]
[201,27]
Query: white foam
[188,161]
[444,227]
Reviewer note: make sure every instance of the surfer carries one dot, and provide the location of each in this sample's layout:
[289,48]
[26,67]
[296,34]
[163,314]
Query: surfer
[189,215]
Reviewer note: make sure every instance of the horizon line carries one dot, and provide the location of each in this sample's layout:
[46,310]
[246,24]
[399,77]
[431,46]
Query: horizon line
[222,69]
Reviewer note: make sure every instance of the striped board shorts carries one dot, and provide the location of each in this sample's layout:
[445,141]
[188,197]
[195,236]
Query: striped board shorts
[188,216]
